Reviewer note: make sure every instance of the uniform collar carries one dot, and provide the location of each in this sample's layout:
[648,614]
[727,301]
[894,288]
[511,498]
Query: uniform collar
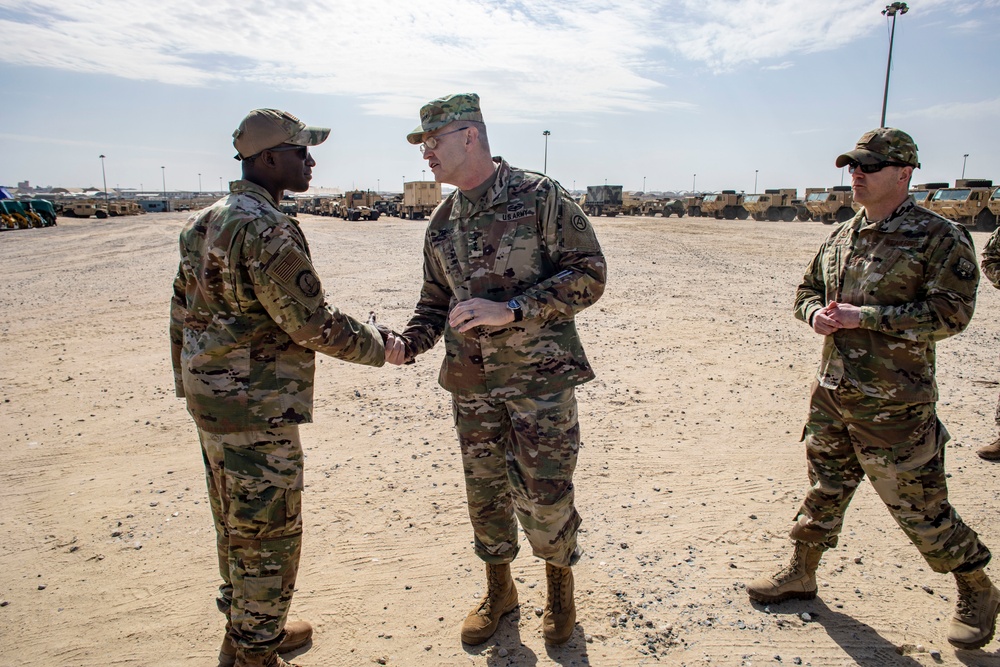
[496,194]
[243,185]
[895,218]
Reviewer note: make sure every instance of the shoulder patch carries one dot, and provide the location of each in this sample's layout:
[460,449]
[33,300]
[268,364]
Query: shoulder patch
[964,269]
[579,222]
[308,283]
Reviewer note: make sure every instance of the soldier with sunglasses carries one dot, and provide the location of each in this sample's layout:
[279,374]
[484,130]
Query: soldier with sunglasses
[247,317]
[881,291]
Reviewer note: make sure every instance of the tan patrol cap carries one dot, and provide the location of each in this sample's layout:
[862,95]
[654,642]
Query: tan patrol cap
[267,128]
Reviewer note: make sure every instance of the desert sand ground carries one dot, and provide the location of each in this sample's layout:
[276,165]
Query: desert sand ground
[690,472]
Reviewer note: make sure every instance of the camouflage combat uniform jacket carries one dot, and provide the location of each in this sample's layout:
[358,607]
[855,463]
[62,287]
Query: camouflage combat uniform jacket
[991,259]
[524,238]
[248,314]
[914,276]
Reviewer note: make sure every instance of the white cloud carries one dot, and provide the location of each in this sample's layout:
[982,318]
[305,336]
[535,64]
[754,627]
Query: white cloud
[954,111]
[780,66]
[527,57]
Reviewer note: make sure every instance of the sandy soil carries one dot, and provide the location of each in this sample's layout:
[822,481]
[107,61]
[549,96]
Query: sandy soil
[690,473]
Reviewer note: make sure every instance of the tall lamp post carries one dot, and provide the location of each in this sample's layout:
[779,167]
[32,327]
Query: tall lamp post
[964,158]
[199,183]
[643,185]
[220,185]
[891,10]
[694,183]
[105,178]
[755,180]
[163,173]
[545,163]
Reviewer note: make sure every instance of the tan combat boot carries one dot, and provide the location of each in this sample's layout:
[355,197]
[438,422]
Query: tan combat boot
[560,610]
[297,635]
[990,452]
[272,659]
[500,598]
[975,618]
[795,580]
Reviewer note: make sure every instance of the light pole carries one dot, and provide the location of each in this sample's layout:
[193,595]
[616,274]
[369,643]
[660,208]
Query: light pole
[694,183]
[163,173]
[643,185]
[891,10]
[220,185]
[964,158]
[106,180]
[378,186]
[199,183]
[755,180]
[423,174]
[545,164]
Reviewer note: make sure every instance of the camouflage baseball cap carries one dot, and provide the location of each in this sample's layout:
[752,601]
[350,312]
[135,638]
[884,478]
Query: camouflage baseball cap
[267,128]
[886,144]
[437,113]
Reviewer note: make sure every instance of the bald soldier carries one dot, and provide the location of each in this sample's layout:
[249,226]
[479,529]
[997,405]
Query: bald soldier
[881,291]
[247,318]
[509,260]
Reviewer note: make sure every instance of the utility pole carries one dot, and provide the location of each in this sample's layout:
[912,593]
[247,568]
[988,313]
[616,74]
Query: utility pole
[106,182]
[163,173]
[694,183]
[964,158]
[891,10]
[545,164]
[755,180]
[199,184]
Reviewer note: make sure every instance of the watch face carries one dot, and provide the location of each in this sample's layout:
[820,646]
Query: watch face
[513,304]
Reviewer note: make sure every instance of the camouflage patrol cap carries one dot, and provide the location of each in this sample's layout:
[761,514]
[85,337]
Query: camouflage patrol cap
[267,128]
[437,113]
[886,144]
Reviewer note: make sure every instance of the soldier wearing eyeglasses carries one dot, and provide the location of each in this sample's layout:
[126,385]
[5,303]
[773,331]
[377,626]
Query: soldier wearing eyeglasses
[247,317]
[881,291]
[509,260]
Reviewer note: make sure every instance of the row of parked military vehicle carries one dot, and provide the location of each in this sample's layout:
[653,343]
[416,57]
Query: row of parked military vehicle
[26,214]
[971,202]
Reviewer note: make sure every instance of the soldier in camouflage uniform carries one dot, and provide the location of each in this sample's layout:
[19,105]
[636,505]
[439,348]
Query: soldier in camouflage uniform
[509,259]
[991,269]
[248,315]
[881,291]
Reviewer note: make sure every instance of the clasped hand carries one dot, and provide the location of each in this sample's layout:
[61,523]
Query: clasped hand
[835,316]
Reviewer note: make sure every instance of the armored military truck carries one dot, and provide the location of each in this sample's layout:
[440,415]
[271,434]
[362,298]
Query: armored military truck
[830,206]
[693,205]
[632,204]
[923,193]
[603,200]
[725,204]
[772,205]
[966,203]
[80,209]
[419,199]
[994,204]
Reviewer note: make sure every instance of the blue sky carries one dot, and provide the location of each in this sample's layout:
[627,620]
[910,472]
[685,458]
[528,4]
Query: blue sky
[629,91]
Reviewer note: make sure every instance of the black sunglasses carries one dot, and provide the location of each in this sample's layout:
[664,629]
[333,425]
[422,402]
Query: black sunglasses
[872,168]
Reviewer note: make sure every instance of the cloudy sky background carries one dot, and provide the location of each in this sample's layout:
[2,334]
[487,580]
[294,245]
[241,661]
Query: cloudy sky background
[630,91]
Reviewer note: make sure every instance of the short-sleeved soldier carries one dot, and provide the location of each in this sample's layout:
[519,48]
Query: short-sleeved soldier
[882,290]
[509,259]
[248,315]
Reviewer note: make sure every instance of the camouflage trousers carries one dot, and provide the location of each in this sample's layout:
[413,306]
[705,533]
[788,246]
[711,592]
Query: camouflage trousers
[519,456]
[900,447]
[255,490]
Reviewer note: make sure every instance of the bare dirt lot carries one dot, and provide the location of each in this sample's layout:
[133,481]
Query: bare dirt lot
[690,473]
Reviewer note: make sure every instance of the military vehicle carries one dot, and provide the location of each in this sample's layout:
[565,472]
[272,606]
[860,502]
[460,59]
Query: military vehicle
[830,206]
[725,204]
[80,209]
[923,193]
[603,200]
[289,206]
[420,198]
[994,204]
[693,205]
[801,211]
[772,205]
[358,205]
[631,204]
[15,215]
[966,203]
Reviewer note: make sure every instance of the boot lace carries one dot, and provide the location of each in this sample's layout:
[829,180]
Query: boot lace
[555,594]
[964,606]
[493,590]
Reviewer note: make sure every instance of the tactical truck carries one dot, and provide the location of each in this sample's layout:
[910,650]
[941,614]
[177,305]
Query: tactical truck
[419,199]
[830,206]
[693,205]
[923,193]
[603,200]
[725,204]
[966,203]
[772,205]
